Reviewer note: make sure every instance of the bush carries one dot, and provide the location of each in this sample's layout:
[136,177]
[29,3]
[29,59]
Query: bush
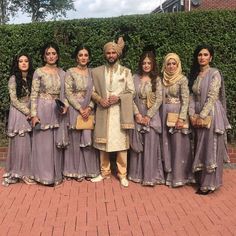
[176,32]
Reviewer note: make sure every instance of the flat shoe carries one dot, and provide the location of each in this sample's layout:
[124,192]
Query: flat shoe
[124,182]
[99,178]
[28,181]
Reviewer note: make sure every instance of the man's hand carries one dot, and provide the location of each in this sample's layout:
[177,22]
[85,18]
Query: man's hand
[113,99]
[104,102]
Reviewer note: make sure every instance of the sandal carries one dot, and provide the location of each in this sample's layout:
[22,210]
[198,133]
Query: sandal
[28,181]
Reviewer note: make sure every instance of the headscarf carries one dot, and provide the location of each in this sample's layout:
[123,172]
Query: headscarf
[170,78]
[118,47]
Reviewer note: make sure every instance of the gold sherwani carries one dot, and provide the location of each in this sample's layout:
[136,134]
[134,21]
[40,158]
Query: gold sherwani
[116,80]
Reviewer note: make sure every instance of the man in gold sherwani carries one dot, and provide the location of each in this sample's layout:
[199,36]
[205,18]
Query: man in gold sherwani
[113,93]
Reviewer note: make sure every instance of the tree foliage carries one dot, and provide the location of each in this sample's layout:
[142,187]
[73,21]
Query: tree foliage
[38,10]
[7,9]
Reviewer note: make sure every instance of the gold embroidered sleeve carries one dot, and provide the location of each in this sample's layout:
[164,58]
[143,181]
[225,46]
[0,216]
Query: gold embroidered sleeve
[184,98]
[14,100]
[212,96]
[158,100]
[69,91]
[191,109]
[35,93]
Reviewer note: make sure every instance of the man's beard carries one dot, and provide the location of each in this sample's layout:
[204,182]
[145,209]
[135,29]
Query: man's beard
[111,63]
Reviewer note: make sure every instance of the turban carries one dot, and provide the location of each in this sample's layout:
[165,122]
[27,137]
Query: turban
[118,47]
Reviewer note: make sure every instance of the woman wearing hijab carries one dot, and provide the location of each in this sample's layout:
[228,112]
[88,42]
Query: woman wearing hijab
[176,141]
[145,153]
[81,159]
[208,117]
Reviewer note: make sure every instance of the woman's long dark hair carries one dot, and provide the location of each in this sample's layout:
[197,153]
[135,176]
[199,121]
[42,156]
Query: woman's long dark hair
[195,67]
[154,72]
[47,46]
[15,71]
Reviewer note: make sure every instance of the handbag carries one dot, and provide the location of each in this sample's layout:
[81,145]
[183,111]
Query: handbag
[84,124]
[203,123]
[60,105]
[172,119]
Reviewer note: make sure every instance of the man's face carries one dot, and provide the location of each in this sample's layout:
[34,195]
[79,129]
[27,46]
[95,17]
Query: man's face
[111,56]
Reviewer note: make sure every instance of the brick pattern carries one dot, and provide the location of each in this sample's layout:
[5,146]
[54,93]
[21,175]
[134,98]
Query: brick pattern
[3,153]
[107,209]
[231,152]
[212,5]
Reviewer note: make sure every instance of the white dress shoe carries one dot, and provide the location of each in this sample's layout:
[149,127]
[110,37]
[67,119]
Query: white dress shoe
[99,178]
[124,182]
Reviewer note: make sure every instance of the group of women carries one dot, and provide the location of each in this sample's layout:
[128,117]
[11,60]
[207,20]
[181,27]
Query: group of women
[178,138]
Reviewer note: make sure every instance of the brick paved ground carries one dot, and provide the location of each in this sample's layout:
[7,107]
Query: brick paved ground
[106,208]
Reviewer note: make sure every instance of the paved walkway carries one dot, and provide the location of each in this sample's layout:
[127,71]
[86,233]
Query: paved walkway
[106,208]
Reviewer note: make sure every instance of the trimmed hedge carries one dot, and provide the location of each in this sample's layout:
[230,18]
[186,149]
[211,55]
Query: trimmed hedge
[175,32]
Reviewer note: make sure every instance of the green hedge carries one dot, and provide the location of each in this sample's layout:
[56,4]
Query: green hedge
[177,32]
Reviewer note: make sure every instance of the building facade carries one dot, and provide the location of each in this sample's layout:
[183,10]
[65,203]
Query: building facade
[193,5]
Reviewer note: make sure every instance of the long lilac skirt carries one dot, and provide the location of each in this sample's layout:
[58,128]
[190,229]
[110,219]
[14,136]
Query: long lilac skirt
[146,167]
[80,161]
[47,159]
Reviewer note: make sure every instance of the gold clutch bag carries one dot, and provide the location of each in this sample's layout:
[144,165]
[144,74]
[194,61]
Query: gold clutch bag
[203,123]
[172,119]
[84,124]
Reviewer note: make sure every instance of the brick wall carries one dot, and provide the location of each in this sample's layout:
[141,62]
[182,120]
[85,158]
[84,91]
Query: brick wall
[231,152]
[3,153]
[211,5]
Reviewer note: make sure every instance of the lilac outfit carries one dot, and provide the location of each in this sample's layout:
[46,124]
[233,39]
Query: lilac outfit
[81,159]
[18,163]
[145,164]
[176,145]
[47,157]
[210,144]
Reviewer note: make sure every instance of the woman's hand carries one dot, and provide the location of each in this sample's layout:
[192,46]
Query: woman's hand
[146,120]
[64,110]
[200,122]
[34,121]
[193,120]
[179,124]
[85,112]
[139,118]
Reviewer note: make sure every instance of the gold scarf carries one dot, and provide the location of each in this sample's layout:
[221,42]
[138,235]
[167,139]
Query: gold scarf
[171,78]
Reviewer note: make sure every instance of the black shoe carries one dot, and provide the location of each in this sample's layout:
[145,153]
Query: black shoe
[200,192]
[50,185]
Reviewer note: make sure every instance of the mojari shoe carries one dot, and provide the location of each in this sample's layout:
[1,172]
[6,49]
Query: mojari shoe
[124,182]
[99,178]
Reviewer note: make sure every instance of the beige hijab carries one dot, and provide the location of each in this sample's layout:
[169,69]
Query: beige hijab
[171,78]
[118,47]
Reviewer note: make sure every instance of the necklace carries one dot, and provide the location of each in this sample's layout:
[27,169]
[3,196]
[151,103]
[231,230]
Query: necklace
[82,67]
[204,68]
